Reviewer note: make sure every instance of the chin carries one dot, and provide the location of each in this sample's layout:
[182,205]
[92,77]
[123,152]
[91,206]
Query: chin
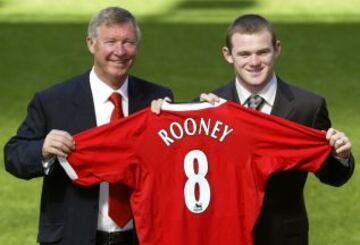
[255,81]
[118,72]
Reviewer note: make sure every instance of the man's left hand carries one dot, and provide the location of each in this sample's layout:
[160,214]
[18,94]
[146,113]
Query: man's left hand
[340,143]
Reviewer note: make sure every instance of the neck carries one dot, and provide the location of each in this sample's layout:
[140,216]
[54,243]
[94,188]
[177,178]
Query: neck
[114,84]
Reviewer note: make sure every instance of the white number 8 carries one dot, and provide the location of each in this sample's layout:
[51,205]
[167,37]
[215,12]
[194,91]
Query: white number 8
[196,206]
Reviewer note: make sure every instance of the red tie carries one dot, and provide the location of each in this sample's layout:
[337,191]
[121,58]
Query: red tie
[119,195]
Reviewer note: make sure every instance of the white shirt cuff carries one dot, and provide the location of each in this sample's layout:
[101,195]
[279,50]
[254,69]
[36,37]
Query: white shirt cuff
[47,165]
[344,162]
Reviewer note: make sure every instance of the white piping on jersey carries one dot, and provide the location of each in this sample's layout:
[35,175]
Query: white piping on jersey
[190,106]
[68,169]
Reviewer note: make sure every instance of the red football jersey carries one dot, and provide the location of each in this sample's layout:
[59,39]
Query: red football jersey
[198,172]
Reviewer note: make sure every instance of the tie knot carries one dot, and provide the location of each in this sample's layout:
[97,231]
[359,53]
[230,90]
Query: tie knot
[115,98]
[255,102]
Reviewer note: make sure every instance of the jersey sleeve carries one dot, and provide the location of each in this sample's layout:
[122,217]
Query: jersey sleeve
[107,153]
[297,146]
[279,145]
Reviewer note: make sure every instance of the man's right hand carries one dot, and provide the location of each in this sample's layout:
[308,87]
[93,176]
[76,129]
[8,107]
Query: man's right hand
[211,98]
[156,105]
[57,143]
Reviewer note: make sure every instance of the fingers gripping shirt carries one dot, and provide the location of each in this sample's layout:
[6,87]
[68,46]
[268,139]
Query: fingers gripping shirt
[198,172]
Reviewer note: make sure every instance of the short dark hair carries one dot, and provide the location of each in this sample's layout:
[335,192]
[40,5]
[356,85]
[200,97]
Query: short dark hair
[249,24]
[112,15]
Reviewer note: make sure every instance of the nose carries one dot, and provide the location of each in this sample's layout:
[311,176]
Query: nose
[254,60]
[119,49]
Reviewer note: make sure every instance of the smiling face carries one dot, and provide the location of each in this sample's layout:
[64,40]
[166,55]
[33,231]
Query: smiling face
[253,56]
[114,49]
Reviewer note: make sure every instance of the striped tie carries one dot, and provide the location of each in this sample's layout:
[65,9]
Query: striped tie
[255,102]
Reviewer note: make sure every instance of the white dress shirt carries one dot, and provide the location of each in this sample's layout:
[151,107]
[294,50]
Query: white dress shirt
[103,109]
[268,93]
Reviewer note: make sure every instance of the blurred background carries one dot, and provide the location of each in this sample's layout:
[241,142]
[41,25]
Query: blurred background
[42,42]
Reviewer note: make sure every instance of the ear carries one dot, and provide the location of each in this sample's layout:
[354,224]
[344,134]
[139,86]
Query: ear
[277,48]
[90,44]
[227,55]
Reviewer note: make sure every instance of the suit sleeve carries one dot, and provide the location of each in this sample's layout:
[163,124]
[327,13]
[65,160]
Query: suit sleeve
[107,153]
[170,94]
[22,153]
[333,172]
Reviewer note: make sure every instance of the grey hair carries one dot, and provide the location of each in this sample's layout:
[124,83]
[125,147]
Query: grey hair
[112,15]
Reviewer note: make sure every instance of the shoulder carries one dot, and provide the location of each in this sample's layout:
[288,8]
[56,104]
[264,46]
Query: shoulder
[228,92]
[299,94]
[66,88]
[303,106]
[229,87]
[138,84]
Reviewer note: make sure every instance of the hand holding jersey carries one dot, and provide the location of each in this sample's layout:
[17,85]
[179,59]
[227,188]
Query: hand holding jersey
[57,143]
[340,143]
[157,104]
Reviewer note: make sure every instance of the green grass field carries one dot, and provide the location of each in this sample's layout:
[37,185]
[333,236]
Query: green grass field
[42,42]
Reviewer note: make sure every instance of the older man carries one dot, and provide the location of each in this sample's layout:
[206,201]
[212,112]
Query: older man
[73,215]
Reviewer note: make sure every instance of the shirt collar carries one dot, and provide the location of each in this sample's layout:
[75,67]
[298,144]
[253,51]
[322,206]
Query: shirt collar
[267,93]
[101,91]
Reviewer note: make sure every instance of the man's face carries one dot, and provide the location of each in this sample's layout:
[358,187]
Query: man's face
[253,57]
[114,50]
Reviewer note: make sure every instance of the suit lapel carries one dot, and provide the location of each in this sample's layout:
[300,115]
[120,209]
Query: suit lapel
[83,111]
[136,96]
[283,106]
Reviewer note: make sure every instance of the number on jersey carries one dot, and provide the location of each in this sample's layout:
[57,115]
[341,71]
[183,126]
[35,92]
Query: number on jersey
[196,205]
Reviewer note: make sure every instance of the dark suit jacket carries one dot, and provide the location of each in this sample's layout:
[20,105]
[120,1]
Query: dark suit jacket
[283,219]
[68,213]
